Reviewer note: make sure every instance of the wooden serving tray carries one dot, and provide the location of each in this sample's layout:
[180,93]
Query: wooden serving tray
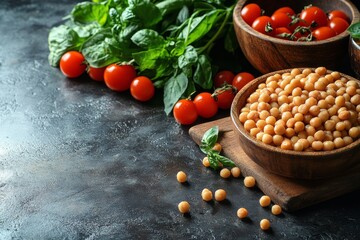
[290,194]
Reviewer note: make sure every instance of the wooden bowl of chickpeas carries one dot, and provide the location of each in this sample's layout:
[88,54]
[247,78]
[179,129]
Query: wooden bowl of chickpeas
[300,123]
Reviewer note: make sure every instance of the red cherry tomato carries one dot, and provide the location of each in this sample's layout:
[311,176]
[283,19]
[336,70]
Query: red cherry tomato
[323,33]
[185,112]
[96,74]
[142,89]
[241,79]
[338,13]
[281,19]
[287,10]
[222,77]
[224,98]
[119,77]
[314,17]
[339,25]
[72,64]
[206,105]
[264,24]
[250,12]
[283,33]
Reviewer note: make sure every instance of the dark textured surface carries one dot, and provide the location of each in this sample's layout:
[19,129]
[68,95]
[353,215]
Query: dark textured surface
[78,161]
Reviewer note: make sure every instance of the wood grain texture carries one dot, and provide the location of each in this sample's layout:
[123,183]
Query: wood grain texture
[290,194]
[269,54]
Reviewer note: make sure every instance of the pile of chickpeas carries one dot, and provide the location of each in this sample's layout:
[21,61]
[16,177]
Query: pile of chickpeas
[304,110]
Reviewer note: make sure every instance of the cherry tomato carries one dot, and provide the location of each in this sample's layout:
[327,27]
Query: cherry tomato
[314,17]
[142,89]
[222,77]
[241,79]
[224,98]
[323,33]
[250,12]
[185,112]
[339,25]
[206,105]
[119,77]
[96,74]
[72,64]
[263,24]
[281,19]
[287,10]
[338,13]
[283,33]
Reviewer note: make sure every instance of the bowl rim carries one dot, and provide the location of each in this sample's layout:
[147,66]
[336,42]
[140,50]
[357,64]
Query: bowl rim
[239,22]
[234,114]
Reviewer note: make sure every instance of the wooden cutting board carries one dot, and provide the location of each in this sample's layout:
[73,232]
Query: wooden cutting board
[290,194]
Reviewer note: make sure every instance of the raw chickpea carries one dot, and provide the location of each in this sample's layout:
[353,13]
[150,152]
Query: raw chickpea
[298,146]
[261,124]
[206,162]
[184,207]
[264,114]
[329,145]
[340,126]
[319,135]
[317,145]
[314,110]
[336,134]
[303,109]
[267,138]
[277,140]
[248,124]
[181,177]
[355,99]
[243,117]
[339,142]
[315,122]
[235,172]
[340,101]
[347,140]
[290,122]
[263,106]
[310,130]
[271,120]
[321,70]
[259,136]
[299,126]
[274,112]
[269,129]
[304,142]
[242,213]
[329,125]
[220,195]
[286,144]
[249,181]
[217,147]
[279,129]
[294,139]
[254,131]
[265,201]
[289,132]
[225,173]
[286,116]
[276,209]
[265,224]
[354,132]
[206,195]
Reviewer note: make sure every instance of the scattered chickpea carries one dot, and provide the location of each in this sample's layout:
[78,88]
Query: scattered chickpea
[220,195]
[206,195]
[225,173]
[206,162]
[242,213]
[276,209]
[181,177]
[217,147]
[265,201]
[249,181]
[235,172]
[265,224]
[184,207]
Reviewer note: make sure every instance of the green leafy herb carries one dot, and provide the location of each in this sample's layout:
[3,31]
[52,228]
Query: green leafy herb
[354,30]
[170,41]
[208,141]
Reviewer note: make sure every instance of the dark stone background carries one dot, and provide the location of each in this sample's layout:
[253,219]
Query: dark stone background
[78,161]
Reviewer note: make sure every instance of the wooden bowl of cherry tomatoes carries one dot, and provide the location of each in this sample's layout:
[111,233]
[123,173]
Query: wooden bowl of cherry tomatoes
[279,34]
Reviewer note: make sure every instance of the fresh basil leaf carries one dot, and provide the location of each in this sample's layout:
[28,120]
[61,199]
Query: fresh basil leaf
[203,73]
[199,26]
[87,12]
[149,59]
[178,47]
[226,162]
[214,163]
[209,139]
[173,90]
[99,50]
[146,12]
[148,38]
[190,57]
[354,30]
[183,15]
[62,39]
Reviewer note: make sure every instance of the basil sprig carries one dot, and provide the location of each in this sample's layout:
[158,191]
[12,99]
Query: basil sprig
[208,141]
[354,30]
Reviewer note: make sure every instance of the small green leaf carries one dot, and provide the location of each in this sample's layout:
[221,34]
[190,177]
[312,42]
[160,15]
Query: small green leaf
[354,30]
[203,73]
[173,90]
[225,161]
[146,12]
[190,57]
[87,12]
[209,139]
[148,38]
[214,163]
